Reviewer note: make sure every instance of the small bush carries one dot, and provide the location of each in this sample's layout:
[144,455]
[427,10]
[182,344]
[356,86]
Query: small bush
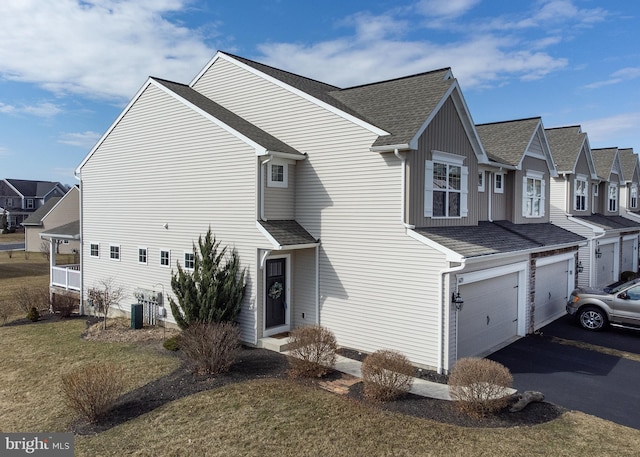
[64,304]
[92,390]
[171,344]
[312,351]
[480,386]
[386,375]
[210,347]
[33,315]
[32,297]
[6,310]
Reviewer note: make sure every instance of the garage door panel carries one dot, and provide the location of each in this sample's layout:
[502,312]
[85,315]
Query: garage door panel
[628,253]
[605,264]
[489,315]
[551,292]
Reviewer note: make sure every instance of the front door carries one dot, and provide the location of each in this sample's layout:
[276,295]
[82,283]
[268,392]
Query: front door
[276,287]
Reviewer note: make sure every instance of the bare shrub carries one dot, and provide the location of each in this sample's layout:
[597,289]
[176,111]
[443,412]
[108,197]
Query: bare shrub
[45,250]
[210,347]
[64,304]
[32,297]
[10,253]
[92,390]
[312,351]
[386,375]
[480,386]
[6,310]
[104,296]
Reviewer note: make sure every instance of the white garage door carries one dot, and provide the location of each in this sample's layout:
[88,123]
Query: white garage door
[551,292]
[605,264]
[489,316]
[629,254]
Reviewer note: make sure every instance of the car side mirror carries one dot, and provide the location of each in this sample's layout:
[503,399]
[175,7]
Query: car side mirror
[623,296]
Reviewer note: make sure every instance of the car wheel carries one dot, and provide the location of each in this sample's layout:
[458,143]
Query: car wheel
[592,318]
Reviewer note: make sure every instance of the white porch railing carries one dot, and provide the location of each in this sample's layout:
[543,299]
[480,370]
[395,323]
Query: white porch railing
[67,276]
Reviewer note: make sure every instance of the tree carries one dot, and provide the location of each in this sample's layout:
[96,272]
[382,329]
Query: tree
[105,295]
[213,291]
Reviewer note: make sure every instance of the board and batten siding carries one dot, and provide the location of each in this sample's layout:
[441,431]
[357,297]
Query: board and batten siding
[279,202]
[378,286]
[165,164]
[530,164]
[445,133]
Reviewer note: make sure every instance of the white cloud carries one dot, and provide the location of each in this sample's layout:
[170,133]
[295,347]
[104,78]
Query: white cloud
[100,48]
[4,152]
[610,129]
[624,74]
[44,109]
[445,8]
[82,139]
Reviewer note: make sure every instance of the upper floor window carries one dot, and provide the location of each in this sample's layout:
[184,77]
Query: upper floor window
[114,252]
[29,203]
[164,258]
[533,195]
[446,184]
[94,250]
[278,174]
[613,197]
[580,191]
[595,190]
[9,202]
[498,183]
[481,181]
[633,196]
[142,255]
[189,260]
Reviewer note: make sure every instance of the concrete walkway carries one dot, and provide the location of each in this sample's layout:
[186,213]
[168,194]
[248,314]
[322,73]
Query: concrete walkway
[419,387]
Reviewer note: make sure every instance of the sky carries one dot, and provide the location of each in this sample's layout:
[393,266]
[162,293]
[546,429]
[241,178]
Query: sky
[69,67]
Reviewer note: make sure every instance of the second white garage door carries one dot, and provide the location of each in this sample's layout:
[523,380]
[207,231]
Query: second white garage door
[605,265]
[489,316]
[553,285]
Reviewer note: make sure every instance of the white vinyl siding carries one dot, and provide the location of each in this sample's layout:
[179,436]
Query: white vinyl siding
[279,202]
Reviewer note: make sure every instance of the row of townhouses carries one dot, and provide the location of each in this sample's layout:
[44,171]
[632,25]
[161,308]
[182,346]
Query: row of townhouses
[380,211]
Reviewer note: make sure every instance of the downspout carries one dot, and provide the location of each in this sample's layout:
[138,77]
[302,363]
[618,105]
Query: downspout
[403,191]
[78,176]
[263,174]
[441,310]
[490,195]
[317,285]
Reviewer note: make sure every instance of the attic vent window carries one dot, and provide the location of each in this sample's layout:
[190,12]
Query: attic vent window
[278,174]
[30,203]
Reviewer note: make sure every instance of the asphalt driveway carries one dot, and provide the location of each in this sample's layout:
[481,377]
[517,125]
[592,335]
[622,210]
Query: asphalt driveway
[11,246]
[582,379]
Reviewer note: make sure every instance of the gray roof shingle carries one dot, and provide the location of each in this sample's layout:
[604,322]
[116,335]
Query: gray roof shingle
[506,142]
[499,237]
[70,231]
[566,144]
[629,161]
[603,159]
[610,222]
[288,233]
[36,217]
[37,189]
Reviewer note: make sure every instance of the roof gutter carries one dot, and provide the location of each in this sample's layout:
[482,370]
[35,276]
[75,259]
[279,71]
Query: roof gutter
[390,148]
[281,155]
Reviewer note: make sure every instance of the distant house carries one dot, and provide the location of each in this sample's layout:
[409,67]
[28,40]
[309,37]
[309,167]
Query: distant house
[20,198]
[57,211]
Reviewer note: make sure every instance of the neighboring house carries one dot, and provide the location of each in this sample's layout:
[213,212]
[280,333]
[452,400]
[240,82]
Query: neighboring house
[360,209]
[585,201]
[629,203]
[20,198]
[55,212]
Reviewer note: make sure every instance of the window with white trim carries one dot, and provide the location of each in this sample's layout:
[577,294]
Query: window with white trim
[595,190]
[613,197]
[189,260]
[446,186]
[94,250]
[278,174]
[533,194]
[498,183]
[633,196]
[29,203]
[142,255]
[165,258]
[114,252]
[481,181]
[580,189]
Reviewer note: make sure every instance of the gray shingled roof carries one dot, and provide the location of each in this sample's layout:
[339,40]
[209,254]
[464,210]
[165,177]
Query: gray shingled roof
[566,144]
[288,233]
[629,161]
[37,189]
[70,231]
[36,217]
[506,142]
[603,159]
[399,106]
[610,222]
[499,237]
[231,119]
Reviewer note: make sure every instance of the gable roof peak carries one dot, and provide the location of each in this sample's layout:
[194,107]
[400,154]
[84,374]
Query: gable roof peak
[524,119]
[445,70]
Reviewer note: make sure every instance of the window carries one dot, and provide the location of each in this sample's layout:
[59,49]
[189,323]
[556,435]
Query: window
[580,191]
[114,252]
[65,241]
[613,197]
[533,195]
[94,250]
[29,203]
[595,190]
[633,196]
[142,255]
[164,258]
[189,260]
[498,183]
[481,181]
[278,174]
[634,293]
[446,183]
[9,202]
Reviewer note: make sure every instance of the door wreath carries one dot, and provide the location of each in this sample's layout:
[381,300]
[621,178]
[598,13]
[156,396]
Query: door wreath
[275,291]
